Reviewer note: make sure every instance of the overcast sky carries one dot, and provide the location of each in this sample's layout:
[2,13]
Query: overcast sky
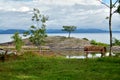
[16,14]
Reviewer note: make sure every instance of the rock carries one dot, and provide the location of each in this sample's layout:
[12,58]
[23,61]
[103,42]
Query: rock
[66,46]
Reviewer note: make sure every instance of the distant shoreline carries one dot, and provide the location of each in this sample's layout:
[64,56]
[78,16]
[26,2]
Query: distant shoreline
[99,37]
[65,32]
[12,31]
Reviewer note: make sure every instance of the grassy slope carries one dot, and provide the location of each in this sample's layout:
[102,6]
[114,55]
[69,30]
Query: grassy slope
[32,67]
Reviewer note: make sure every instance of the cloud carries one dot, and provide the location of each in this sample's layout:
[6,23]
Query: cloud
[16,0]
[77,14]
[15,20]
[81,13]
[22,9]
[68,2]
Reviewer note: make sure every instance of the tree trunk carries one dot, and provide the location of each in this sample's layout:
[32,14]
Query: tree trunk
[110,27]
[69,35]
[40,49]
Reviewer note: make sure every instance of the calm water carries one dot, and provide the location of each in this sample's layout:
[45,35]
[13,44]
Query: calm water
[100,37]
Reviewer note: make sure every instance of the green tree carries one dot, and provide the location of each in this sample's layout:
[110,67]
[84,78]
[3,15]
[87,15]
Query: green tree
[116,42]
[69,29]
[37,33]
[111,12]
[18,41]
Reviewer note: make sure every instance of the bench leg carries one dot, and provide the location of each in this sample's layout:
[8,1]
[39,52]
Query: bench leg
[86,54]
[102,54]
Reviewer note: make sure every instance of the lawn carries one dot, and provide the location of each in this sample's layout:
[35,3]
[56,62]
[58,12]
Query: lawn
[35,67]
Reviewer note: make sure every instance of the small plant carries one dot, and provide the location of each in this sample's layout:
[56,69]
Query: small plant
[85,39]
[17,41]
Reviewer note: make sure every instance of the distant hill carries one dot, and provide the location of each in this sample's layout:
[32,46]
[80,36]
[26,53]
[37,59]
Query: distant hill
[12,31]
[77,31]
[1,30]
[91,31]
[81,31]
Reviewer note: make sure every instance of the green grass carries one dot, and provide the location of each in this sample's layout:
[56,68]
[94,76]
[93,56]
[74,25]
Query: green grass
[34,67]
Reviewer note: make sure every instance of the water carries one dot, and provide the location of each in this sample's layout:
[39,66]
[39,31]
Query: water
[7,37]
[99,37]
[83,57]
[98,55]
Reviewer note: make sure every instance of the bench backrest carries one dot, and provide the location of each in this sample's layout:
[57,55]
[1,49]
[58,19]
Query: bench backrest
[95,49]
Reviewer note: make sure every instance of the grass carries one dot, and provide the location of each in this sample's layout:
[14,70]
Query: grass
[34,67]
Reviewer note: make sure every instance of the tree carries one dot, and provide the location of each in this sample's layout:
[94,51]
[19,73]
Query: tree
[37,33]
[18,41]
[111,12]
[69,29]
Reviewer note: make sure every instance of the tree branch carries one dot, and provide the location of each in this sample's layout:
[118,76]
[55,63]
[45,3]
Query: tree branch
[104,3]
[115,3]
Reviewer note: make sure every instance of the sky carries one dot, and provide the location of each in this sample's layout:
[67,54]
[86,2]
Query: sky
[85,14]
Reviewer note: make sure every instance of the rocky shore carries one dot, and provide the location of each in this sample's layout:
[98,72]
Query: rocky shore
[57,44]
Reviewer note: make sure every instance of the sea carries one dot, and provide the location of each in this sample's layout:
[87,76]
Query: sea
[99,37]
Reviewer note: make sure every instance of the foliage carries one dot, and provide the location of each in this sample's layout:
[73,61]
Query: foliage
[118,8]
[47,68]
[37,33]
[69,29]
[116,42]
[18,41]
[98,43]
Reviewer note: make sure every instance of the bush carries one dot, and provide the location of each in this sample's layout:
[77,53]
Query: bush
[116,42]
[93,42]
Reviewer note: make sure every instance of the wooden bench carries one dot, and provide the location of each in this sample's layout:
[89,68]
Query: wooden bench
[95,49]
